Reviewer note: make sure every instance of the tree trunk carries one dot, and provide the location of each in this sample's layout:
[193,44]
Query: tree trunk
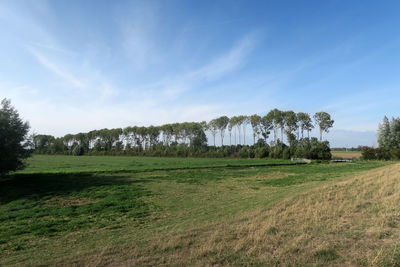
[239,135]
[244,135]
[320,134]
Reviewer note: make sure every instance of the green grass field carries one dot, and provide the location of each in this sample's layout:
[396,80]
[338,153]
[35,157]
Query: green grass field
[76,210]
[89,164]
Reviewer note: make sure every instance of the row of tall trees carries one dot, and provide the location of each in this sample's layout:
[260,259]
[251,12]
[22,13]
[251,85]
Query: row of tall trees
[188,138]
[290,124]
[138,138]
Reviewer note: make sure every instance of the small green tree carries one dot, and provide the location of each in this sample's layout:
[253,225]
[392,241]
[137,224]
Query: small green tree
[14,145]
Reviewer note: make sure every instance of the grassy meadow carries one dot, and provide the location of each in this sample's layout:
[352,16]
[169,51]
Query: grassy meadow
[89,164]
[166,211]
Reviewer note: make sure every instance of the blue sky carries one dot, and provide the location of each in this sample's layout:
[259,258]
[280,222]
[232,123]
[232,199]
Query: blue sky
[73,66]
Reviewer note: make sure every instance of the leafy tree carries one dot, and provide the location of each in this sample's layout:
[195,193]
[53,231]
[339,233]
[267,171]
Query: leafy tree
[222,123]
[277,151]
[368,153]
[14,143]
[271,118]
[276,116]
[244,122]
[324,122]
[383,136]
[198,138]
[239,123]
[42,143]
[255,125]
[234,122]
[266,124]
[394,137]
[213,128]
[311,148]
[291,121]
[280,117]
[305,123]
[230,127]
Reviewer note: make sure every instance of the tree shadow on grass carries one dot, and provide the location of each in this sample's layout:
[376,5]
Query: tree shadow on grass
[36,186]
[55,204]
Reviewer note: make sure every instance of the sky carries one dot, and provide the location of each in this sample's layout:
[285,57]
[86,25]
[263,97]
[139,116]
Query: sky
[74,66]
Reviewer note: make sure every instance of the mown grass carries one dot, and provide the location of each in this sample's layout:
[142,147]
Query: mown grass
[76,218]
[88,164]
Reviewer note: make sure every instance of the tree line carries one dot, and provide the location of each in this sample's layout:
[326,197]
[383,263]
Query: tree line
[388,141]
[190,138]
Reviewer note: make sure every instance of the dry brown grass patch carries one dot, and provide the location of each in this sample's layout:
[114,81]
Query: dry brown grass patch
[339,154]
[68,201]
[268,176]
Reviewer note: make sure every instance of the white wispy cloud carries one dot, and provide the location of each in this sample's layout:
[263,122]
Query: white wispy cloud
[138,30]
[217,68]
[67,76]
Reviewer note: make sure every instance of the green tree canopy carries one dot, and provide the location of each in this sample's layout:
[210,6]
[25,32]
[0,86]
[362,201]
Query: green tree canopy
[14,145]
[324,122]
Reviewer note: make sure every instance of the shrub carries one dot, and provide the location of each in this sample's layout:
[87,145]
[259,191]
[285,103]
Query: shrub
[320,150]
[261,152]
[368,153]
[286,153]
[395,153]
[383,153]
[244,152]
[313,149]
[251,153]
[78,151]
[277,150]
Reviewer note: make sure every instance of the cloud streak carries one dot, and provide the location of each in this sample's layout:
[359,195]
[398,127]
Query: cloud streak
[58,70]
[217,68]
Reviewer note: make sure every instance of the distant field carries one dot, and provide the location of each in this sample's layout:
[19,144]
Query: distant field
[346,154]
[61,211]
[75,164]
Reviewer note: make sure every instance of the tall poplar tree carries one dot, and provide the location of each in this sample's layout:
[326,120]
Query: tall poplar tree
[324,121]
[255,125]
[384,133]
